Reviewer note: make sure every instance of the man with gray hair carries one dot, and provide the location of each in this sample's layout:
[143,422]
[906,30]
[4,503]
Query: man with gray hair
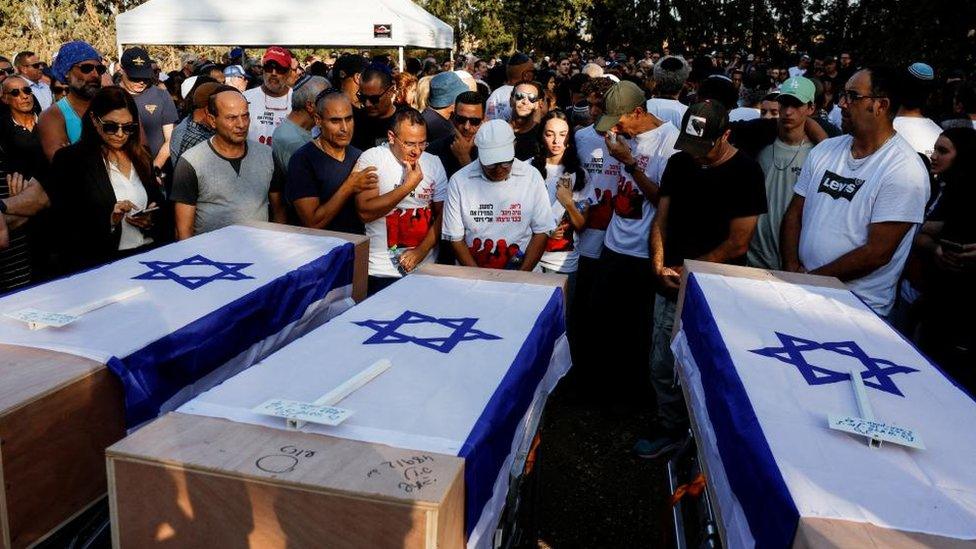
[293,132]
[670,74]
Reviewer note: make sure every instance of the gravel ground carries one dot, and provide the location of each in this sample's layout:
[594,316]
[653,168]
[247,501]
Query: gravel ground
[594,493]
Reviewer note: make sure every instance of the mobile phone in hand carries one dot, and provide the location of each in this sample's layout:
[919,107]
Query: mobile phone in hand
[144,211]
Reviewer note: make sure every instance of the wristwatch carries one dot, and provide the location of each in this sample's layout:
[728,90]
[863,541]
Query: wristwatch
[630,168]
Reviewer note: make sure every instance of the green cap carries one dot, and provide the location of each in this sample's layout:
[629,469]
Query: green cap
[619,100]
[800,88]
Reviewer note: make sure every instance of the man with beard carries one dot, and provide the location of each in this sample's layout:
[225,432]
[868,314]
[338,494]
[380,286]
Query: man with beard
[226,179]
[375,119]
[525,103]
[80,67]
[402,223]
[321,181]
[270,102]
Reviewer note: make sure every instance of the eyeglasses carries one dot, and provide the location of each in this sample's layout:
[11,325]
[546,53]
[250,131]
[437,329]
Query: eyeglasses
[39,65]
[462,120]
[86,68]
[373,99]
[17,91]
[7,70]
[530,97]
[421,145]
[276,68]
[112,128]
[850,96]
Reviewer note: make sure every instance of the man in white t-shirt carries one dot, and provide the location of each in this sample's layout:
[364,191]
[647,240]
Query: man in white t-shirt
[402,222]
[920,131]
[670,74]
[497,214]
[518,69]
[623,284]
[801,67]
[860,197]
[270,102]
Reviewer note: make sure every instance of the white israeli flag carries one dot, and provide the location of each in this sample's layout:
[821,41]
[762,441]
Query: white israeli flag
[165,319]
[764,363]
[471,363]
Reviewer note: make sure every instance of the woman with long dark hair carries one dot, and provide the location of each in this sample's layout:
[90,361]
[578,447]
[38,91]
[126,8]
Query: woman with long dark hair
[947,247]
[103,190]
[565,182]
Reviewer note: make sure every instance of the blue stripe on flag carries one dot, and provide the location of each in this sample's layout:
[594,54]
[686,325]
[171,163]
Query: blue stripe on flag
[490,440]
[153,374]
[749,465]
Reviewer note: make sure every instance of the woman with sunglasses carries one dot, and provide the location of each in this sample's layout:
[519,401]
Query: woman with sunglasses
[103,191]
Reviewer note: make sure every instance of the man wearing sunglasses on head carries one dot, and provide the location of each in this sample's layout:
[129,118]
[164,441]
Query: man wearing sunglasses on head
[157,112]
[375,119]
[30,69]
[270,102]
[79,66]
[402,213]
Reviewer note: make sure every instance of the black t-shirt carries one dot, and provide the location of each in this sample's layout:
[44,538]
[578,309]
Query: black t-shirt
[369,132]
[23,147]
[156,109]
[441,148]
[703,201]
[438,127]
[527,144]
[312,172]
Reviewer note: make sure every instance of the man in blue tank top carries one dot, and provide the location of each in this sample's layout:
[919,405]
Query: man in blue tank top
[79,66]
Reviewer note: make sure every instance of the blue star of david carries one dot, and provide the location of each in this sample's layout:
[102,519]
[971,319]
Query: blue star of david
[166,270]
[877,374]
[462,330]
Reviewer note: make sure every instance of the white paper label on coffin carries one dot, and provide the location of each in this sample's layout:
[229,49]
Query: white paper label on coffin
[303,411]
[37,319]
[875,430]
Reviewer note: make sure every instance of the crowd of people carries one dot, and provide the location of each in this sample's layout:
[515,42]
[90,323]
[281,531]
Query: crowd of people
[611,169]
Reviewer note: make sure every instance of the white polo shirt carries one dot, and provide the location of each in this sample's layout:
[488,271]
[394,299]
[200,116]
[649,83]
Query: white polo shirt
[497,219]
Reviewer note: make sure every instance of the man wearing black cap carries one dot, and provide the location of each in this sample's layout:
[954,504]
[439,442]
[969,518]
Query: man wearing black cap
[710,200]
[157,112]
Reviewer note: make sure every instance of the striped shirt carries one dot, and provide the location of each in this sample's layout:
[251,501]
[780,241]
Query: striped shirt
[15,264]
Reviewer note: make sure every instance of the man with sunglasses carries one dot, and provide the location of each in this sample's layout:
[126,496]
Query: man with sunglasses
[458,150]
[157,112]
[524,118]
[374,120]
[17,135]
[518,69]
[270,102]
[80,66]
[402,213]
[6,68]
[860,197]
[32,70]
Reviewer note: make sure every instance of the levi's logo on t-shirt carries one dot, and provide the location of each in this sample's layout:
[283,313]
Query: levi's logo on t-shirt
[838,186]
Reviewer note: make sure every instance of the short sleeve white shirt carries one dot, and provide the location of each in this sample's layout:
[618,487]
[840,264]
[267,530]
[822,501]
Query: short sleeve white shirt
[498,106]
[562,254]
[266,112]
[670,110]
[632,212]
[602,171]
[843,196]
[406,225]
[497,219]
[921,133]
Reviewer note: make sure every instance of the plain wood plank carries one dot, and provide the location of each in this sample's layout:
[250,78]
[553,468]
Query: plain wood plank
[817,533]
[217,482]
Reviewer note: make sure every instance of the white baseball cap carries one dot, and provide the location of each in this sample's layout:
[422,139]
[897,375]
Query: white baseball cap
[496,142]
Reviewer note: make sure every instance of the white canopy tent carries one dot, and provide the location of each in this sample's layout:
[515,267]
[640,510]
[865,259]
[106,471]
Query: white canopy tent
[290,23]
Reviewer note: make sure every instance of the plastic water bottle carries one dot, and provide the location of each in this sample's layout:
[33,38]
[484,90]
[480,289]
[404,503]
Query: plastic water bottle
[395,254]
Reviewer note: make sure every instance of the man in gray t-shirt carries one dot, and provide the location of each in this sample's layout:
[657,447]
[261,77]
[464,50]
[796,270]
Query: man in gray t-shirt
[226,179]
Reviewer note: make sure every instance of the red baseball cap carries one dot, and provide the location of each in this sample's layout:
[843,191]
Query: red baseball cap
[279,55]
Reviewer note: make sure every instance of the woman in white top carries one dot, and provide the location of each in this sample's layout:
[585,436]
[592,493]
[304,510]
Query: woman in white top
[103,190]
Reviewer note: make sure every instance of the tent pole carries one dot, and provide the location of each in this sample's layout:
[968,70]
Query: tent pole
[400,50]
